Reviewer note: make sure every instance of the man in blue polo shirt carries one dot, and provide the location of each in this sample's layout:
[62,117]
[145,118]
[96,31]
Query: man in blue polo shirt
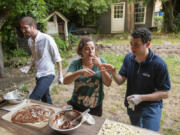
[147,81]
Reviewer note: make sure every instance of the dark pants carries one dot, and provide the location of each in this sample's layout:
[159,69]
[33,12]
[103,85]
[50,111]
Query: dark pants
[149,117]
[41,91]
[97,111]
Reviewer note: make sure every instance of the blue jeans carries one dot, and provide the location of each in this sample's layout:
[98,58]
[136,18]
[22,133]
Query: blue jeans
[41,91]
[149,117]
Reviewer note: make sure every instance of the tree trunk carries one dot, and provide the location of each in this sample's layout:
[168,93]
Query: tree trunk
[2,21]
[168,24]
[2,73]
[130,16]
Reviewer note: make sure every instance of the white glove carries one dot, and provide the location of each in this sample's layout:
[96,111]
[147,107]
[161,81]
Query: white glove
[25,69]
[135,99]
[60,78]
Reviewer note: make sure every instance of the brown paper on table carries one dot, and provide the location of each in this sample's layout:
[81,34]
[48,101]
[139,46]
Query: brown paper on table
[42,124]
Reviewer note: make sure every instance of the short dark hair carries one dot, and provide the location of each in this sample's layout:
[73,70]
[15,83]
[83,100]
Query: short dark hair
[28,20]
[142,33]
[82,43]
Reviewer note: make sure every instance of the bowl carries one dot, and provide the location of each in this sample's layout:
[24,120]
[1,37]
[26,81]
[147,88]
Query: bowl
[59,121]
[13,97]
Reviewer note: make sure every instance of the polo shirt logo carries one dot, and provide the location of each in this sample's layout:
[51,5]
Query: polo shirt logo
[146,75]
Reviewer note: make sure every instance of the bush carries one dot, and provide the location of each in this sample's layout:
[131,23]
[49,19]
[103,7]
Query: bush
[177,23]
[62,45]
[158,22]
[72,40]
[19,53]
[17,58]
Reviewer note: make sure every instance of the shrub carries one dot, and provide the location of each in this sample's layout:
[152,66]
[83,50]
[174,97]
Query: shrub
[19,53]
[177,23]
[62,45]
[72,40]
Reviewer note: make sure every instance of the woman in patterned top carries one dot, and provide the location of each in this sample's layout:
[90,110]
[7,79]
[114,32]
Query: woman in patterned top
[88,76]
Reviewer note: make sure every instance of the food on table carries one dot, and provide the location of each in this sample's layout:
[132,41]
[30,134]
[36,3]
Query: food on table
[32,114]
[63,120]
[116,128]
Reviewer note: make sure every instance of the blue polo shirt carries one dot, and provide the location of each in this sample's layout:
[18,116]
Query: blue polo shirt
[145,77]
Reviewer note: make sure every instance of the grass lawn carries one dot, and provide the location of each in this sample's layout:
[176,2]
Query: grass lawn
[123,39]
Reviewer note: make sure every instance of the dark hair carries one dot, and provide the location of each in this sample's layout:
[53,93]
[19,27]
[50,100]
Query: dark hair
[28,20]
[142,33]
[82,43]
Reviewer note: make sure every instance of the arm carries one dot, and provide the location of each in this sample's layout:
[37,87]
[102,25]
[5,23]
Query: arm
[60,74]
[106,78]
[72,76]
[117,77]
[59,65]
[158,95]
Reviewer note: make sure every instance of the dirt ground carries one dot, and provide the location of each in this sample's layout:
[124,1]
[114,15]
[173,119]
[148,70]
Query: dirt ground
[113,107]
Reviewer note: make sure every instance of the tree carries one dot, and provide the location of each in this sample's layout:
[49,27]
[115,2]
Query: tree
[5,10]
[13,10]
[168,7]
[81,11]
[169,19]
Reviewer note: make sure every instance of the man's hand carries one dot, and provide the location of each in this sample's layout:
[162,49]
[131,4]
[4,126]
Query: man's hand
[135,99]
[60,78]
[110,68]
[25,69]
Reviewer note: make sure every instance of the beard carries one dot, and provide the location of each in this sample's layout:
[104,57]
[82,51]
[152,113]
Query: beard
[26,36]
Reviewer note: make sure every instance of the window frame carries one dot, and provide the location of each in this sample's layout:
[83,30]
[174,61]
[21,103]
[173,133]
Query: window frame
[144,18]
[120,13]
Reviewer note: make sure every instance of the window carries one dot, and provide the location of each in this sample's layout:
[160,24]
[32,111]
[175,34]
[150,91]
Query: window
[118,11]
[139,13]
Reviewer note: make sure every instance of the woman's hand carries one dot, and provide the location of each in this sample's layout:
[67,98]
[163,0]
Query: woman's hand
[96,61]
[86,72]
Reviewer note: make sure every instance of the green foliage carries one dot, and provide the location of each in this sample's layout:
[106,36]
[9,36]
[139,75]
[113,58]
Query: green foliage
[65,48]
[85,11]
[19,53]
[18,9]
[62,45]
[177,23]
[15,62]
[65,45]
[16,58]
[72,40]
[114,59]
[24,88]
[158,21]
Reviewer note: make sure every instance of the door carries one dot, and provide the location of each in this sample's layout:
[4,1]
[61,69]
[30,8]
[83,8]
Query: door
[117,17]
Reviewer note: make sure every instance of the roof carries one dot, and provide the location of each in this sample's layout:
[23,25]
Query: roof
[58,14]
